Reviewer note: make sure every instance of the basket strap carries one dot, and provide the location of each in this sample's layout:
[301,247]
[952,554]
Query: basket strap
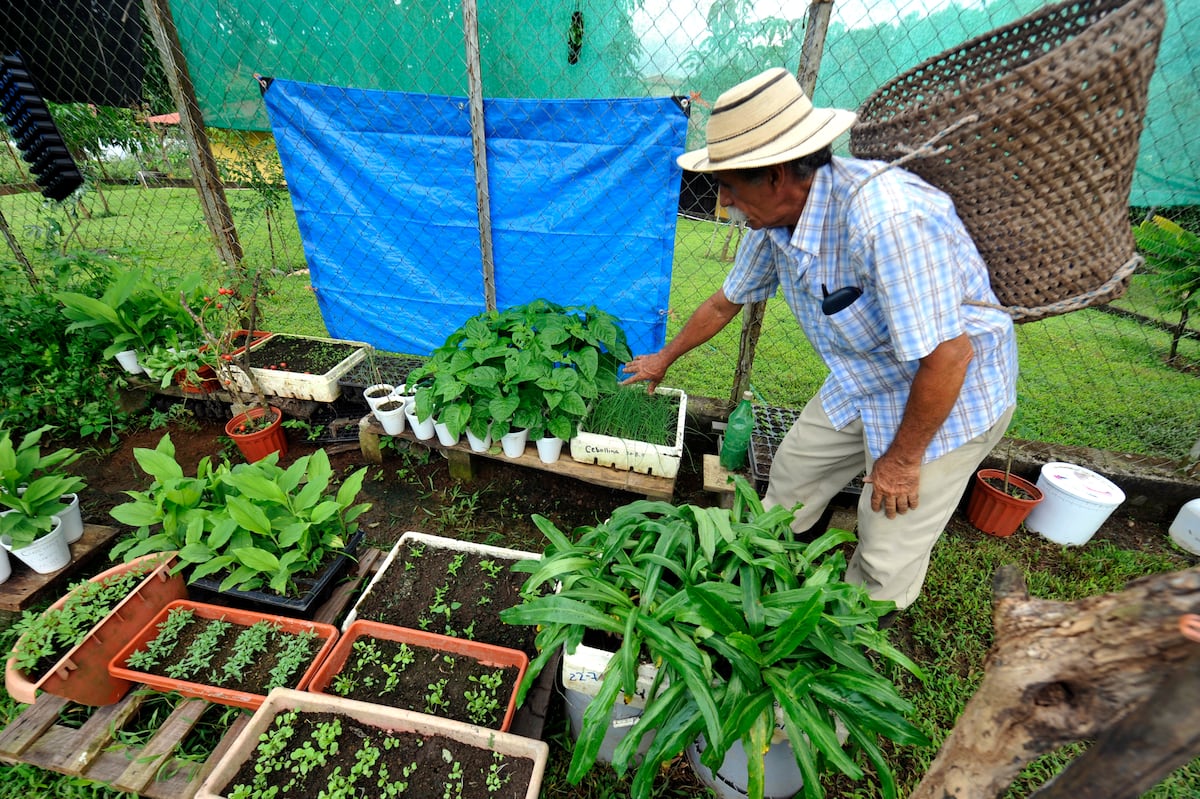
[1076,303]
[926,148]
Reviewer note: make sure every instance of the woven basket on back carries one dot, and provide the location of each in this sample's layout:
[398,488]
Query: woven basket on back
[1040,123]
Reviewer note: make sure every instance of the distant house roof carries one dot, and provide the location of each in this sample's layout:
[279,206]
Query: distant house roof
[165,119]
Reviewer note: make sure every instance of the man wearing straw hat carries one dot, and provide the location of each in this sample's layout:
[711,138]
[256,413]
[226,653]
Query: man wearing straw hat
[882,277]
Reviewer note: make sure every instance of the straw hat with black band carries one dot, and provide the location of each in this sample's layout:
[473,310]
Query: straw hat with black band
[763,121]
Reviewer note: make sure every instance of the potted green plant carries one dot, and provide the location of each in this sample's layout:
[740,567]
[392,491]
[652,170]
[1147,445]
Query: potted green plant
[37,493]
[270,538]
[187,365]
[530,366]
[633,430]
[135,313]
[751,634]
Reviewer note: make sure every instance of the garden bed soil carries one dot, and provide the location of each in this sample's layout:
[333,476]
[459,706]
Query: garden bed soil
[433,755]
[404,595]
[365,680]
[300,355]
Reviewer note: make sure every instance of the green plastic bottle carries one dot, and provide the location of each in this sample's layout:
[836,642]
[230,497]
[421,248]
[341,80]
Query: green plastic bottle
[737,434]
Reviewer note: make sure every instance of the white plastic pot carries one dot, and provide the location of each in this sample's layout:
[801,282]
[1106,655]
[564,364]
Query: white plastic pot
[1185,530]
[582,672]
[514,443]
[5,566]
[480,444]
[72,519]
[378,394]
[549,448]
[129,362]
[48,553]
[422,429]
[1077,501]
[781,778]
[392,420]
[444,436]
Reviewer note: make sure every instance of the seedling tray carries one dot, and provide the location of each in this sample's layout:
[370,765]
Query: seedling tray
[771,424]
[628,455]
[327,636]
[296,385]
[393,369]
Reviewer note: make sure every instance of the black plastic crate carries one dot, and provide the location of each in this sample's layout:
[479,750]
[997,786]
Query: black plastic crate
[377,368]
[771,424]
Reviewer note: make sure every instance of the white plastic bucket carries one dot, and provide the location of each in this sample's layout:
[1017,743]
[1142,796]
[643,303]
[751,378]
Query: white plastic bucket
[1077,501]
[1185,530]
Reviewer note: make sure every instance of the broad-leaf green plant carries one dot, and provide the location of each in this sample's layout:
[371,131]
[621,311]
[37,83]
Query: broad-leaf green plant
[751,631]
[32,486]
[1173,255]
[259,524]
[531,366]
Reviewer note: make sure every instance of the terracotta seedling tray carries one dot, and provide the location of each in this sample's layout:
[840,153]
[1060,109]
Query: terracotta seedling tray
[393,720]
[240,618]
[82,674]
[485,654]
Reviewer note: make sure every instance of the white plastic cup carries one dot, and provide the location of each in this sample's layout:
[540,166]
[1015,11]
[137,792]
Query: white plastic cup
[445,438]
[129,362]
[422,428]
[514,442]
[478,444]
[549,448]
[391,419]
[378,394]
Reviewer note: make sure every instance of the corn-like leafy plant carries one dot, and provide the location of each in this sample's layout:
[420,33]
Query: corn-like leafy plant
[748,629]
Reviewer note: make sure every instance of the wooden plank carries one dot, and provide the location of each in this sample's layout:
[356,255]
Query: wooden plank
[652,486]
[30,725]
[95,734]
[335,607]
[144,769]
[235,729]
[716,480]
[26,587]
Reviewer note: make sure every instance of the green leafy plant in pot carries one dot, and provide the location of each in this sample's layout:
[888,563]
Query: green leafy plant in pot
[746,626]
[531,366]
[258,525]
[33,486]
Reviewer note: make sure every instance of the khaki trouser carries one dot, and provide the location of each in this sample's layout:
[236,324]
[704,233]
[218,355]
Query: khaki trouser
[815,462]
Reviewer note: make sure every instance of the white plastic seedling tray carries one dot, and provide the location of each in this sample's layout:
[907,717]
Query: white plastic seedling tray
[296,385]
[440,542]
[633,456]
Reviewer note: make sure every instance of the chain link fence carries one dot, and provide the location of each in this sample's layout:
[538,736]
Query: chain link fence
[167,109]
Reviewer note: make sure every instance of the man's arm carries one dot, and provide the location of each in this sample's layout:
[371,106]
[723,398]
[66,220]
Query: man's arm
[896,475]
[705,322]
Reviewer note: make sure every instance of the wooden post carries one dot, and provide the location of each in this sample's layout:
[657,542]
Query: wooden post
[207,179]
[15,246]
[479,149]
[810,61]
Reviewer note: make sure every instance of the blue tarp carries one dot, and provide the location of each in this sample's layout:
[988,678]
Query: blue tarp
[583,202]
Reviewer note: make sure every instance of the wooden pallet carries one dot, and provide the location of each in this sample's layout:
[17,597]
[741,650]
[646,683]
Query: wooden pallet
[461,458]
[26,587]
[39,737]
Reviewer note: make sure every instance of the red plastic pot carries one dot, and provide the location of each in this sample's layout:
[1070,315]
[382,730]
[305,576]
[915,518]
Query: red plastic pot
[486,654]
[259,444]
[995,511]
[240,618]
[203,382]
[82,674]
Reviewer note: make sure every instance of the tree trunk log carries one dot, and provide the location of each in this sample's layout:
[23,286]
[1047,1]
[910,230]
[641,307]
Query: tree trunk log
[1061,672]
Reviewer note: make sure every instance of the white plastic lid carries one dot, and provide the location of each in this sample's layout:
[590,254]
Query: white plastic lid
[1083,483]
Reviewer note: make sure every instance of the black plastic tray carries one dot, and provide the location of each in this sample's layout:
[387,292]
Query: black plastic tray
[316,589]
[771,424]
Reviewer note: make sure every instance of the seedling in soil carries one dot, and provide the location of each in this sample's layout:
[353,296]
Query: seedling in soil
[201,652]
[295,654]
[435,700]
[168,633]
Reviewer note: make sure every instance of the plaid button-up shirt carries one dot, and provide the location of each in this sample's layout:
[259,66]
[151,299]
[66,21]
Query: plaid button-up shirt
[899,240]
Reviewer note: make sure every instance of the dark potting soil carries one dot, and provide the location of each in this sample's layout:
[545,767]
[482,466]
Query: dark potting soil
[381,679]
[303,356]
[428,591]
[254,678]
[424,765]
[1013,490]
